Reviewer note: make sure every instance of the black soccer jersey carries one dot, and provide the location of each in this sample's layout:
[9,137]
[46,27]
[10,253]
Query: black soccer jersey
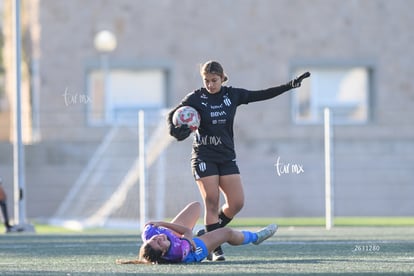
[214,139]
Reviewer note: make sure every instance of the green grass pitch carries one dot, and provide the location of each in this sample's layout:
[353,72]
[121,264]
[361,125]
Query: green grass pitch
[294,250]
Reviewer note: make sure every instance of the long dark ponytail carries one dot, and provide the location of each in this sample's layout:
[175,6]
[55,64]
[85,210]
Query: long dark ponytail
[146,255]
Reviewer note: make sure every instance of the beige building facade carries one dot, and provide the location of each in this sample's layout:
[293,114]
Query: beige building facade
[359,54]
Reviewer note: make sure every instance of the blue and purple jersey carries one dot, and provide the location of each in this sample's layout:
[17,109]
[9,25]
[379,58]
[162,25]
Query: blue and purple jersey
[179,247]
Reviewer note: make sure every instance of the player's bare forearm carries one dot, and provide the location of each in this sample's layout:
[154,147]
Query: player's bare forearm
[178,228]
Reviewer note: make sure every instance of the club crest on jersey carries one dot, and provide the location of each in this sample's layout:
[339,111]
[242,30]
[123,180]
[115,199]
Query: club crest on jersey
[226,100]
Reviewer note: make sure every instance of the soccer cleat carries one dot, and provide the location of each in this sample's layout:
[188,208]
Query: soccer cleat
[200,232]
[218,255]
[13,229]
[265,233]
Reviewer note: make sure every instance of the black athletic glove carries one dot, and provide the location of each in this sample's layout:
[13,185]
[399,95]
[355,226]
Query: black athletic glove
[296,82]
[178,132]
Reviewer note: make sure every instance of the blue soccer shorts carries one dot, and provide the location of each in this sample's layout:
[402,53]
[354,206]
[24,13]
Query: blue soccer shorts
[199,254]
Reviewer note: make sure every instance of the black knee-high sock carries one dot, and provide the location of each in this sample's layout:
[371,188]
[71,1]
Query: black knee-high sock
[212,227]
[3,207]
[223,219]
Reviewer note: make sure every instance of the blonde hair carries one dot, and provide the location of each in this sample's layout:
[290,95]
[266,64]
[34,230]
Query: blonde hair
[213,67]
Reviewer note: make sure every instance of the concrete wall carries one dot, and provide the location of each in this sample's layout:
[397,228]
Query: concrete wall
[259,43]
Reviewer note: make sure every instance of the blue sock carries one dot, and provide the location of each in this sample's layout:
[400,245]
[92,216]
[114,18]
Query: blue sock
[249,237]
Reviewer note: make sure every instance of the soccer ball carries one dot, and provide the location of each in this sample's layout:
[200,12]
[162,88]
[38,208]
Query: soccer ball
[186,115]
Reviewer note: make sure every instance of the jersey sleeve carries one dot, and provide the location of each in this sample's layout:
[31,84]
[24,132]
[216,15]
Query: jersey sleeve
[244,96]
[149,231]
[191,99]
[248,96]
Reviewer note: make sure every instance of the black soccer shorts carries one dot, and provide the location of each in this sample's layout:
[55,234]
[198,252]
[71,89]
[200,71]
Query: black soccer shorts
[202,168]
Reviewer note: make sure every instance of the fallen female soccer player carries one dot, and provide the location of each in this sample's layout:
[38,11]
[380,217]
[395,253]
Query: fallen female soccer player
[173,242]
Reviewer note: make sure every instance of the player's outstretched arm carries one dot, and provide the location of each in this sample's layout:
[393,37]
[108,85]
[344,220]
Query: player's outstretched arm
[261,95]
[178,228]
[297,82]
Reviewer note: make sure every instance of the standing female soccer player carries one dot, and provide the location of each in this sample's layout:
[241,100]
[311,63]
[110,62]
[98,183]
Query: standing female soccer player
[213,158]
[173,242]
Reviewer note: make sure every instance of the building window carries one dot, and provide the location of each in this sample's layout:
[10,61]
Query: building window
[119,98]
[345,90]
